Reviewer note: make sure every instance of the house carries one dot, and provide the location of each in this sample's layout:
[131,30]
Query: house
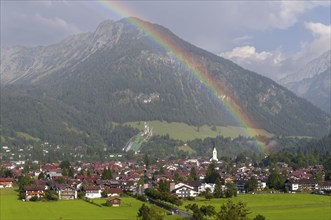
[205,186]
[54,173]
[112,192]
[240,186]
[292,185]
[184,190]
[196,184]
[129,186]
[108,183]
[92,192]
[308,184]
[6,182]
[325,186]
[115,201]
[34,190]
[261,185]
[77,184]
[302,185]
[66,192]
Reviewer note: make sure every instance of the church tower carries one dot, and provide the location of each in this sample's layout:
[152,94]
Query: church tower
[214,158]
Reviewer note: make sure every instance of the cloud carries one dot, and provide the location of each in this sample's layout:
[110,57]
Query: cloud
[57,24]
[318,29]
[247,53]
[320,43]
[242,40]
[264,15]
[278,64]
[284,14]
[267,63]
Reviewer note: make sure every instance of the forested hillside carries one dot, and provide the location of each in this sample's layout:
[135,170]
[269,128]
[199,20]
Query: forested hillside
[73,92]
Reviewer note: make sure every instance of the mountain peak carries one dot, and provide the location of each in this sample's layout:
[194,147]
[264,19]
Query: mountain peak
[118,74]
[107,33]
[311,69]
[312,82]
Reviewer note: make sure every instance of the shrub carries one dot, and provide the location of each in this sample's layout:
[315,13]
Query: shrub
[109,204]
[34,199]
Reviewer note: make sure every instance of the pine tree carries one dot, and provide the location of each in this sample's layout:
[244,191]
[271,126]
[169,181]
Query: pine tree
[106,174]
[193,174]
[233,211]
[218,192]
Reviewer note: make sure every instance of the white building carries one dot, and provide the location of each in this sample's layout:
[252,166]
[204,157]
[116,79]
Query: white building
[205,186]
[184,190]
[214,158]
[92,192]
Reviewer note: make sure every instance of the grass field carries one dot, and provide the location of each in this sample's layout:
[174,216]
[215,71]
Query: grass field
[182,131]
[272,206]
[280,206]
[14,209]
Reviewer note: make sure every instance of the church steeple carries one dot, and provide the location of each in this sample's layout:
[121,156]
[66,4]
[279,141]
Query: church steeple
[214,158]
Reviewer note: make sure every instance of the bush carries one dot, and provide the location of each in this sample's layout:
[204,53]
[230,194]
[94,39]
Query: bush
[34,199]
[81,195]
[51,195]
[109,204]
[259,217]
[104,194]
[190,198]
[141,198]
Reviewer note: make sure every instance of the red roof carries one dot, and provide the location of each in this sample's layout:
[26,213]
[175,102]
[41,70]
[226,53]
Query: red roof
[34,188]
[6,179]
[114,190]
[92,188]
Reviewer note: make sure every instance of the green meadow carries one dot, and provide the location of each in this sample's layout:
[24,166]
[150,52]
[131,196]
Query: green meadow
[280,206]
[184,132]
[14,209]
[272,206]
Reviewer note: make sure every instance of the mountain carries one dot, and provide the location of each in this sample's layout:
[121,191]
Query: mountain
[87,82]
[313,82]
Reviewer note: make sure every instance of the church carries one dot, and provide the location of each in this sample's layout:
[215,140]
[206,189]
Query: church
[214,158]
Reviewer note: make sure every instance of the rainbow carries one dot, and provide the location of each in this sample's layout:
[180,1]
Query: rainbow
[195,67]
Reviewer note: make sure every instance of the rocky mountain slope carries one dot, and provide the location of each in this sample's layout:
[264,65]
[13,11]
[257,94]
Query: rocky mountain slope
[118,74]
[313,82]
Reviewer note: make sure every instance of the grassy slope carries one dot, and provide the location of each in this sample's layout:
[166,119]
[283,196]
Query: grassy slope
[272,206]
[12,208]
[182,131]
[281,206]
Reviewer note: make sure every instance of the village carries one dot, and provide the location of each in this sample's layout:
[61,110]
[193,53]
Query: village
[186,178]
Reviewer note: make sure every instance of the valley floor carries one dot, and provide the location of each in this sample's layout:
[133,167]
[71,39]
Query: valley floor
[272,206]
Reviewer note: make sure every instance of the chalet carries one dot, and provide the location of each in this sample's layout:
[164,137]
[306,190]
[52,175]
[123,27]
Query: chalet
[184,190]
[302,185]
[92,192]
[299,175]
[308,185]
[108,183]
[129,186]
[326,186]
[292,185]
[34,190]
[196,184]
[54,173]
[204,186]
[6,182]
[115,201]
[65,192]
[77,184]
[240,186]
[112,192]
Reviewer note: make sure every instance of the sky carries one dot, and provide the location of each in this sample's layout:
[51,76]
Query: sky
[272,38]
